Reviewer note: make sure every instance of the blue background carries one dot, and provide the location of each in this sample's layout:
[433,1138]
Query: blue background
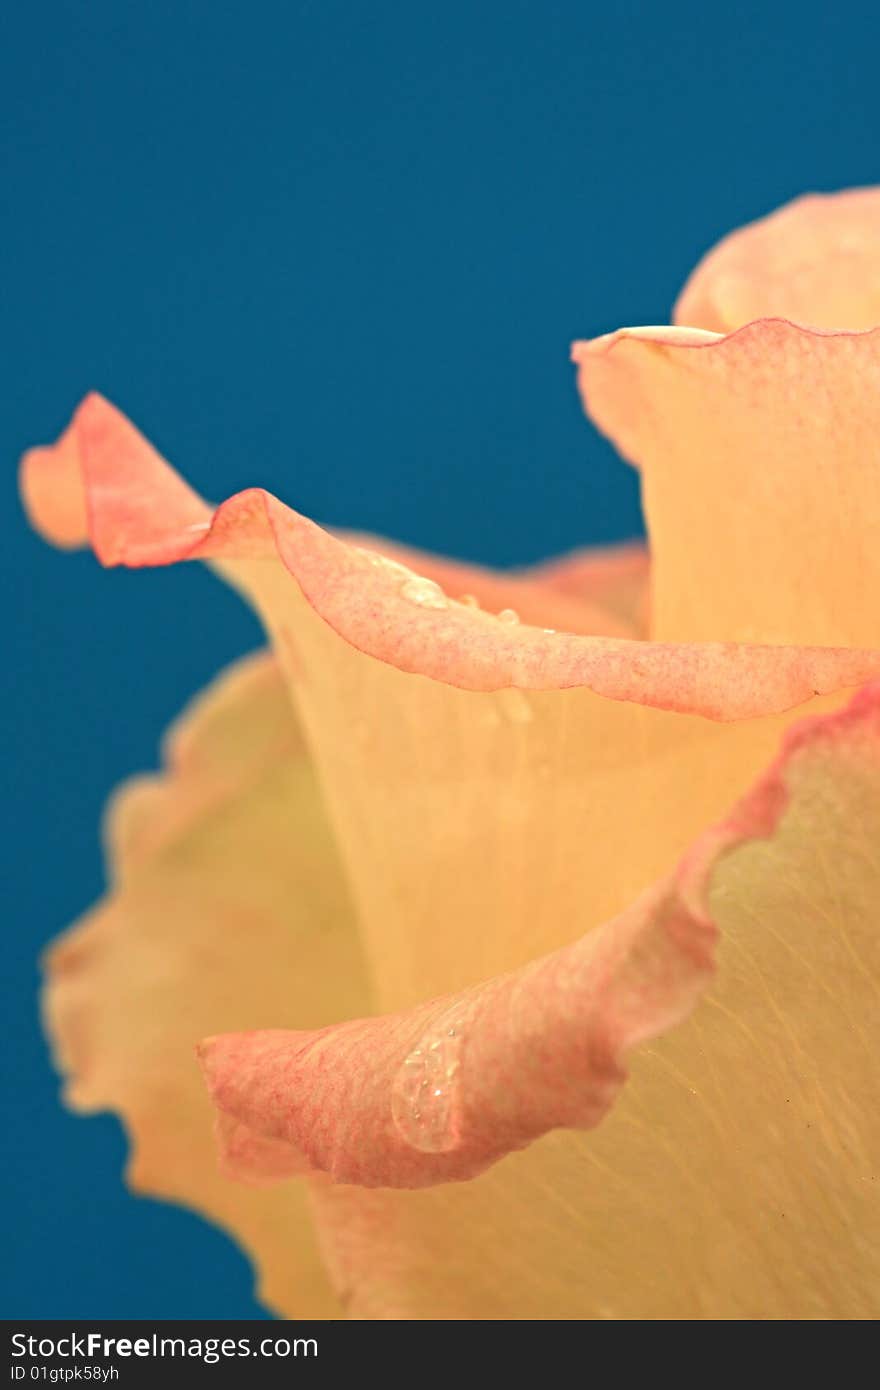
[338,249]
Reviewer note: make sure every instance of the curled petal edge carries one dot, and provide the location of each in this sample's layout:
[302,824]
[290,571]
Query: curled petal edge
[683,336]
[136,511]
[441,1092]
[610,404]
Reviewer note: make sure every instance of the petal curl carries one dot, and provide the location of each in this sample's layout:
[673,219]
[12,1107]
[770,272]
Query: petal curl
[815,261]
[736,1176]
[130,499]
[228,908]
[447,899]
[759,471]
[494,788]
[439,1093]
[140,512]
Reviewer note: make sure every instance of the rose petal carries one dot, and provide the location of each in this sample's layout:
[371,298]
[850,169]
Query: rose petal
[736,1177]
[228,911]
[141,513]
[439,1093]
[53,494]
[101,483]
[469,849]
[614,577]
[760,487]
[598,592]
[483,821]
[816,261]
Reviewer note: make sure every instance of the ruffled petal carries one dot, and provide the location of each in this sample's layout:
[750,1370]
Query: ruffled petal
[759,477]
[600,592]
[439,1093]
[815,261]
[736,1176]
[228,910]
[494,788]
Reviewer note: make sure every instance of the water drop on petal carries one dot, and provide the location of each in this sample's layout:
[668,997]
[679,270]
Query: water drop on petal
[425,1097]
[424,592]
[385,563]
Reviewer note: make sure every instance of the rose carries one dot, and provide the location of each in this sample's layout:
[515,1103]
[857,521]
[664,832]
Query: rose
[457,801]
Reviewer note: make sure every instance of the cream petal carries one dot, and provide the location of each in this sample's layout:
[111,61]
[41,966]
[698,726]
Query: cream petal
[736,1177]
[228,910]
[496,790]
[758,455]
[815,261]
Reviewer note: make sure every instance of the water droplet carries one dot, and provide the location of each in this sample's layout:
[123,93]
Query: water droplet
[508,616]
[550,630]
[516,706]
[425,1098]
[424,592]
[470,600]
[198,526]
[385,563]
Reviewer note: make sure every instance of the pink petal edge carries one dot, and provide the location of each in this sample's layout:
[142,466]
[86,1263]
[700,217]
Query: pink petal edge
[138,511]
[592,354]
[440,1092]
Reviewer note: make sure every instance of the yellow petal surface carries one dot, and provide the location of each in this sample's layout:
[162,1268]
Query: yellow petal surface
[495,790]
[760,476]
[227,909]
[737,1176]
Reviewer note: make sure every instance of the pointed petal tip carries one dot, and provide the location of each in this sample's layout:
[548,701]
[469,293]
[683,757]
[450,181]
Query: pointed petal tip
[103,484]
